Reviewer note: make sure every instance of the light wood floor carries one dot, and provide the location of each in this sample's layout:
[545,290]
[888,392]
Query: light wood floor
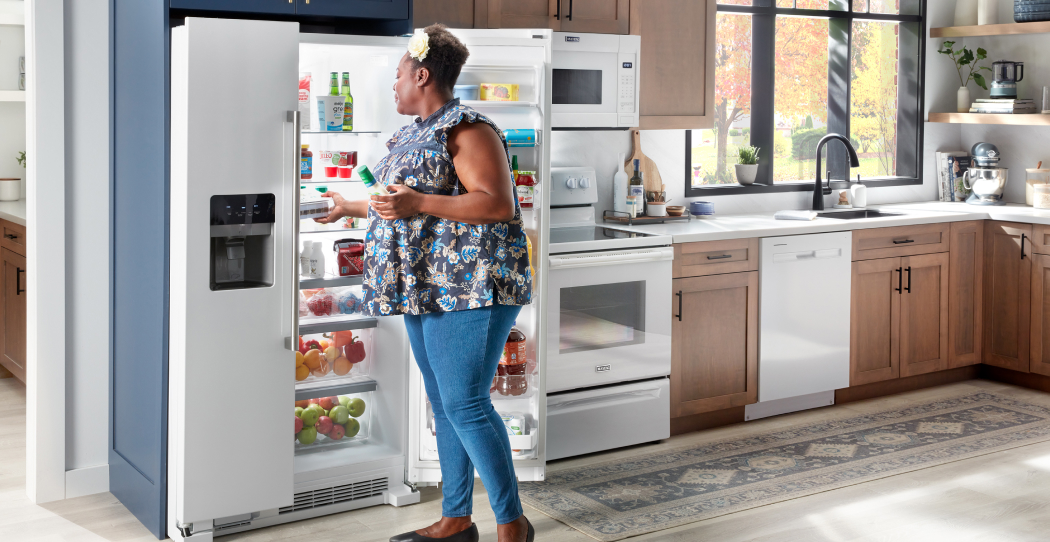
[1003,496]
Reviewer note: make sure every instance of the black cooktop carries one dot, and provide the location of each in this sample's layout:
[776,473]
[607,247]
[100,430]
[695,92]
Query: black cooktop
[592,233]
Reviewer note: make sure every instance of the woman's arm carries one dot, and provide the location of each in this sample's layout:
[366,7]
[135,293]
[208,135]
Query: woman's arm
[357,208]
[481,163]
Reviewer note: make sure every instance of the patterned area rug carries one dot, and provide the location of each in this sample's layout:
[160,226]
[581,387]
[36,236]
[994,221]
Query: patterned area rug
[618,499]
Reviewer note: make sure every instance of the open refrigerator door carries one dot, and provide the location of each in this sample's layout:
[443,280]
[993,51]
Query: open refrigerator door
[517,61]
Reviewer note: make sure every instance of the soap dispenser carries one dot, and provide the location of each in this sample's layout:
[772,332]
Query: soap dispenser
[859,193]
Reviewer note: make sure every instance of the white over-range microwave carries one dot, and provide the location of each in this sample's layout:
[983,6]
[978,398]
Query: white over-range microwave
[595,81]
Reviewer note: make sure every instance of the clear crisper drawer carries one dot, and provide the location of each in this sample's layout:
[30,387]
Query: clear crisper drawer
[334,355]
[346,422]
[320,304]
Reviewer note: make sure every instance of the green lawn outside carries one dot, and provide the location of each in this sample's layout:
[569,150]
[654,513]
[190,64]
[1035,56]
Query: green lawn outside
[785,169]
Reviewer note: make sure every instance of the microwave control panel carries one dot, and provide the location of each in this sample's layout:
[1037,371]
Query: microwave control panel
[627,91]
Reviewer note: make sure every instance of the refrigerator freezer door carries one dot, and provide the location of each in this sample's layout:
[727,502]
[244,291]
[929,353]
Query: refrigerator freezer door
[233,83]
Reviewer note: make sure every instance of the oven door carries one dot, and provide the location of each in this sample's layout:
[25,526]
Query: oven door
[609,317]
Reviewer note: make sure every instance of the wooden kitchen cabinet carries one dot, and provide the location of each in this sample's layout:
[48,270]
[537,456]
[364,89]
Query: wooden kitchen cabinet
[13,313]
[874,350]
[451,13]
[1007,295]
[966,272]
[714,338]
[516,14]
[924,314]
[677,63]
[1040,334]
[595,16]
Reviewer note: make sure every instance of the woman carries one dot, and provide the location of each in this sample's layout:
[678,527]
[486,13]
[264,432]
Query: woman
[447,249]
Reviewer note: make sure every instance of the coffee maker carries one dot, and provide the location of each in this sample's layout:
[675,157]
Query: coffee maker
[1005,75]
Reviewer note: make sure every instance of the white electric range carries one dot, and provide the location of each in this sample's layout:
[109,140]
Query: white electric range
[608,326]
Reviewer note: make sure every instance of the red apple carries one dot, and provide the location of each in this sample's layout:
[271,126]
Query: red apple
[302,404]
[328,402]
[298,424]
[324,425]
[337,432]
[315,401]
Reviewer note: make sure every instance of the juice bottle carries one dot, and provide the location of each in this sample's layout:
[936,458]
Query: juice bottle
[510,375]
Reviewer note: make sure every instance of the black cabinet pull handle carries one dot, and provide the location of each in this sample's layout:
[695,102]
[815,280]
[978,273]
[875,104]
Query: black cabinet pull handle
[1023,236]
[722,257]
[899,279]
[679,315]
[903,242]
[557,10]
[908,288]
[569,16]
[18,280]
[10,236]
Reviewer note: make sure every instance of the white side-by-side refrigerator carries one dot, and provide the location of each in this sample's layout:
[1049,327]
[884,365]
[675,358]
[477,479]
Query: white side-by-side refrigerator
[243,304]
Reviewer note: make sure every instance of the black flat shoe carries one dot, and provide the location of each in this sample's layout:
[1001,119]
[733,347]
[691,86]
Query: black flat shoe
[470,534]
[531,535]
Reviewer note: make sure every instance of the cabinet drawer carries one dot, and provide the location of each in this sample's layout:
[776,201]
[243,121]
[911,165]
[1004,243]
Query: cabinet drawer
[1040,239]
[13,237]
[715,257]
[900,241]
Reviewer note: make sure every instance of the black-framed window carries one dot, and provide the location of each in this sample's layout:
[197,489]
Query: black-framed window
[788,72]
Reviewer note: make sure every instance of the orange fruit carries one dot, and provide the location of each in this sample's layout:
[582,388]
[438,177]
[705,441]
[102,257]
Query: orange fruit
[303,404]
[312,359]
[299,359]
[342,366]
[301,372]
[325,343]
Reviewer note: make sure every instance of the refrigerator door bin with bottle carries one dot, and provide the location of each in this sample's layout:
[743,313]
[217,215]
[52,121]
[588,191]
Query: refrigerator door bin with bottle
[240,309]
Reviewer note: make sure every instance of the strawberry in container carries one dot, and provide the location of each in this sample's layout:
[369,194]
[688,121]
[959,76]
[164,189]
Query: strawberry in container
[321,303]
[350,256]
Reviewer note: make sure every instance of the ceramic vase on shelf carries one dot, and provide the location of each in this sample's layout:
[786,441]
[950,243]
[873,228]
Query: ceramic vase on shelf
[962,99]
[965,12]
[746,173]
[987,12]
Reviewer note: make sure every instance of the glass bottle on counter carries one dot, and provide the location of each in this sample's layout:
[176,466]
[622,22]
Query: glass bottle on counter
[637,189]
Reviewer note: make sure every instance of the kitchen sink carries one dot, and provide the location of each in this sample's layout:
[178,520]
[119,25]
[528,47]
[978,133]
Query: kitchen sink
[856,214]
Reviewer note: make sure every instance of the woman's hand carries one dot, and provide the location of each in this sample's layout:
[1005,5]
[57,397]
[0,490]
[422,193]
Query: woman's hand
[403,202]
[342,208]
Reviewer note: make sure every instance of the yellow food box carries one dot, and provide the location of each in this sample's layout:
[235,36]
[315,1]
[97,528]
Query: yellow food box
[499,92]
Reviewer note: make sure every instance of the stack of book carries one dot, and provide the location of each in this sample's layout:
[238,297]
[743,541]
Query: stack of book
[951,168]
[1003,106]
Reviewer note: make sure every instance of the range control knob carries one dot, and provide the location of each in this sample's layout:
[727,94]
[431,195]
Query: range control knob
[571,183]
[585,182]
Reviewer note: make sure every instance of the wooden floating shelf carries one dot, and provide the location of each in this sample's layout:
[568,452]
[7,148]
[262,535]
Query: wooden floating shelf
[1028,119]
[1041,27]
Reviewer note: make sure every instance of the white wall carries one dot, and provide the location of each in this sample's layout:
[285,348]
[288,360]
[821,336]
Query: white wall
[667,147]
[87,245]
[12,114]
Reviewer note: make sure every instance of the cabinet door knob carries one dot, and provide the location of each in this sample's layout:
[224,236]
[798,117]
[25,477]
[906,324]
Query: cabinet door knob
[18,280]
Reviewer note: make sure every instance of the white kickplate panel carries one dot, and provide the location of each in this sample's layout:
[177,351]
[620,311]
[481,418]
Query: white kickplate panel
[791,404]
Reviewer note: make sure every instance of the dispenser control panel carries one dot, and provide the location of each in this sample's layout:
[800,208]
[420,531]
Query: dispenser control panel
[242,209]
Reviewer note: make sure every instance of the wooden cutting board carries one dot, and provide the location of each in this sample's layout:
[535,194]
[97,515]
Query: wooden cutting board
[650,175]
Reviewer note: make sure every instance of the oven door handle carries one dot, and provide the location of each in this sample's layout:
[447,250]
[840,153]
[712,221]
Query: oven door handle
[618,257]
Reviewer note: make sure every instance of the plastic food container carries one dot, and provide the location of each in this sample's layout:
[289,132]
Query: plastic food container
[466,92]
[1042,196]
[319,208]
[330,112]
[499,92]
[1033,177]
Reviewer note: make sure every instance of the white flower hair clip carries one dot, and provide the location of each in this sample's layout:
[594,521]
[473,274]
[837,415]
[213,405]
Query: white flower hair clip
[419,45]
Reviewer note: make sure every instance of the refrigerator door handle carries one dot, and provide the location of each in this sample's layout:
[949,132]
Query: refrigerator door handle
[293,117]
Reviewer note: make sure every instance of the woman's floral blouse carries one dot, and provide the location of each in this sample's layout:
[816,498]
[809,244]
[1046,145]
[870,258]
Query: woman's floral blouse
[424,264]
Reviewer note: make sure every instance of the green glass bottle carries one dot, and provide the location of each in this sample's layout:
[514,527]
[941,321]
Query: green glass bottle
[348,106]
[333,84]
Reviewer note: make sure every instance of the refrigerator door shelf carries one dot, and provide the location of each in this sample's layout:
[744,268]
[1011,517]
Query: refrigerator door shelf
[329,388]
[524,444]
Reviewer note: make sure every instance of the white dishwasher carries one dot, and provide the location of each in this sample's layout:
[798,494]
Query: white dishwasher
[804,310]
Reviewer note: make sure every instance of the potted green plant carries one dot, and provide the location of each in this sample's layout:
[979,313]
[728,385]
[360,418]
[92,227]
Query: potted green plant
[747,168]
[11,188]
[964,58]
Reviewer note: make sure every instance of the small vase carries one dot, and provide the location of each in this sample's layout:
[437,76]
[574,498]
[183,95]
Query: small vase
[965,12]
[746,173]
[962,100]
[987,12]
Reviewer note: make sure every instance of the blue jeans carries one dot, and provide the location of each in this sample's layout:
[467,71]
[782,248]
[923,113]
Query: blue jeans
[458,352]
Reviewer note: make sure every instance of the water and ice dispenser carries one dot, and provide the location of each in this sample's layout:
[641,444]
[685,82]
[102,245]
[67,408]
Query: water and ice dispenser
[242,241]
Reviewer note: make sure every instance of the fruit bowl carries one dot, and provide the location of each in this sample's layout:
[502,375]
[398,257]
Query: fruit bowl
[347,422]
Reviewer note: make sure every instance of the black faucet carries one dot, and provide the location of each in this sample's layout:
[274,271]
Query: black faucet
[819,191]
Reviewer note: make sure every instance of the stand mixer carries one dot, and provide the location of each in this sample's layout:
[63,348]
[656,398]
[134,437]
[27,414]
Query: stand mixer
[985,179]
[1005,75]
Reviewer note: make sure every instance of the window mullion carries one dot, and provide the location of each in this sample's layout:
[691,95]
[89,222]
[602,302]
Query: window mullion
[763,93]
[838,95]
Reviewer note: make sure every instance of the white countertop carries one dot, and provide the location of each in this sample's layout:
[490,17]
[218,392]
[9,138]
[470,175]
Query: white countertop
[764,225]
[15,211]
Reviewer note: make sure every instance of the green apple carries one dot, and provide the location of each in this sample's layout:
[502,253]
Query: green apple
[340,414]
[310,416]
[352,427]
[356,408]
[344,400]
[299,412]
[320,411]
[307,436]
